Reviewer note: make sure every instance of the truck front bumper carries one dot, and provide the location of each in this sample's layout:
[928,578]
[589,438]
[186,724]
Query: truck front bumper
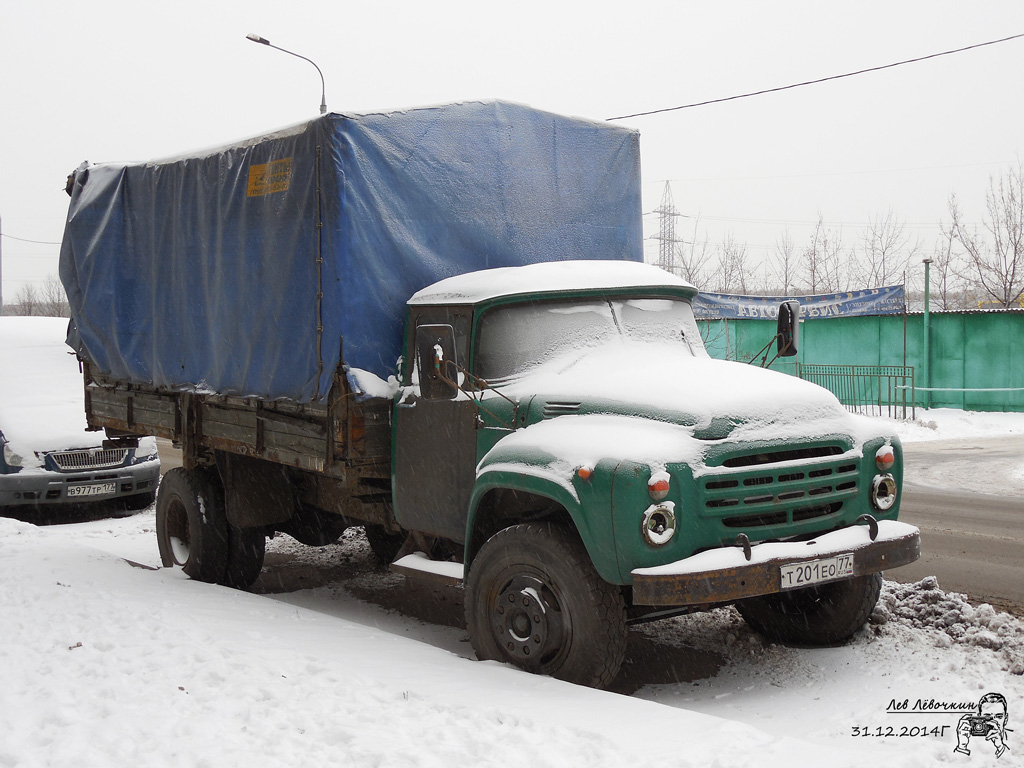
[727,574]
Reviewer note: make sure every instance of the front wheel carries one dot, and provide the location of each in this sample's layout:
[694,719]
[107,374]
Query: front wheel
[533,599]
[827,614]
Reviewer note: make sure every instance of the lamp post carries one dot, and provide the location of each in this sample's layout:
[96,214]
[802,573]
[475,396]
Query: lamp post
[263,41]
[927,332]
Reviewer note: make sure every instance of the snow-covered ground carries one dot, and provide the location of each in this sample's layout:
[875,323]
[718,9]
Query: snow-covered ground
[109,664]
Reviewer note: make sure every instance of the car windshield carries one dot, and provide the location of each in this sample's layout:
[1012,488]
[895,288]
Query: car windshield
[516,338]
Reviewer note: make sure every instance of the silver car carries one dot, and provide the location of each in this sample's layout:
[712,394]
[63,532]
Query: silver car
[47,456]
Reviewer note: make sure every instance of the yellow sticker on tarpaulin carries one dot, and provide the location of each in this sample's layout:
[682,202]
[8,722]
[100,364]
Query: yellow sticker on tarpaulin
[267,178]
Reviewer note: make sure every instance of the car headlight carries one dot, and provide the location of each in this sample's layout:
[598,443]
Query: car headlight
[659,523]
[11,458]
[883,492]
[147,450]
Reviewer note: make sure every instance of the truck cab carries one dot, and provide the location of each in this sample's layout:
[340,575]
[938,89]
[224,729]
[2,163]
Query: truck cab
[569,413]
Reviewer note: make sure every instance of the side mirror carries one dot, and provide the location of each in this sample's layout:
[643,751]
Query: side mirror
[435,361]
[788,328]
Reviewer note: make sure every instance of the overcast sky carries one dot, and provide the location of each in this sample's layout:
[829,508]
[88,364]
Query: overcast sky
[106,80]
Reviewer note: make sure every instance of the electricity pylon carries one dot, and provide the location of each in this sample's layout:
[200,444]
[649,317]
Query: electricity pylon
[667,214]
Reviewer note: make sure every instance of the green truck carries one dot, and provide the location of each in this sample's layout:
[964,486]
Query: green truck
[554,437]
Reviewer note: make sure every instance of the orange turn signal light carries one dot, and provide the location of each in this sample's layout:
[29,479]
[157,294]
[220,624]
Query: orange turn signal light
[658,486]
[885,458]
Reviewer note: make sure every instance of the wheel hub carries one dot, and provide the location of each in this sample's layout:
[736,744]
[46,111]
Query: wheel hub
[178,533]
[526,620]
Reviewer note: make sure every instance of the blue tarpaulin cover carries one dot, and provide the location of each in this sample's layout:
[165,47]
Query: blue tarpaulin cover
[254,269]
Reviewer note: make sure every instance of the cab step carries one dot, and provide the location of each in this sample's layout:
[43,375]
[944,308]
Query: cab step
[417,565]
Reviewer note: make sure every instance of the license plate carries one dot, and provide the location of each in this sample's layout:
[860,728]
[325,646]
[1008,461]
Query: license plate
[796,575]
[93,489]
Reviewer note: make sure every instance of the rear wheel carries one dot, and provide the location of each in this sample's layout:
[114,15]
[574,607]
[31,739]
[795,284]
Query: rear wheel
[827,614]
[246,550]
[193,531]
[191,528]
[533,599]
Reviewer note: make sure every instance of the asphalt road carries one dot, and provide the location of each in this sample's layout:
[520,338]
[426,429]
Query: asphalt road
[971,540]
[170,456]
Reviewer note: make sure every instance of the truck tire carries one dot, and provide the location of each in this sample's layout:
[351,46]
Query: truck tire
[533,599]
[246,549]
[191,529]
[827,614]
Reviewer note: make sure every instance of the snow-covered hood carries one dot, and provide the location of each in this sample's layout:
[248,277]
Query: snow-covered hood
[716,398]
[651,404]
[41,394]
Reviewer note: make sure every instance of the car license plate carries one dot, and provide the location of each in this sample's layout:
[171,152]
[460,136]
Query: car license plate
[796,575]
[92,489]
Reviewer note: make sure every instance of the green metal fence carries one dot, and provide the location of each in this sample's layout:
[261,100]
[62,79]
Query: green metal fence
[876,390]
[976,359]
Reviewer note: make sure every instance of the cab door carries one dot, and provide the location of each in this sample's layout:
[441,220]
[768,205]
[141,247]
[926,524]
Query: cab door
[434,458]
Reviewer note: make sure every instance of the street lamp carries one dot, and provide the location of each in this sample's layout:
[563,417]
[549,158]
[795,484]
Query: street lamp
[263,41]
[927,332]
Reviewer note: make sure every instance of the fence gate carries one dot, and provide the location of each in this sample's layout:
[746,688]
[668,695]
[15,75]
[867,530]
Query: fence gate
[875,390]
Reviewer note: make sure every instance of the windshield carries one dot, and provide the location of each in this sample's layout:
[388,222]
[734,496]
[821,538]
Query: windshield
[515,338]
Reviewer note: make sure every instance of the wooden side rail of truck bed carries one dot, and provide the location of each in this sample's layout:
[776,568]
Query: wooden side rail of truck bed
[338,454]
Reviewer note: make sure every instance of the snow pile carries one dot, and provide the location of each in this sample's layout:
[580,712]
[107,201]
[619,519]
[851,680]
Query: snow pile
[952,424]
[953,620]
[840,696]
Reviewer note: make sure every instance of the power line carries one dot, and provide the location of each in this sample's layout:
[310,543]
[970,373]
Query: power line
[819,80]
[799,222]
[868,172]
[26,240]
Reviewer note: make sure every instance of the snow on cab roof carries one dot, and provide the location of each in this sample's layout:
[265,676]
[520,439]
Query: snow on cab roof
[548,277]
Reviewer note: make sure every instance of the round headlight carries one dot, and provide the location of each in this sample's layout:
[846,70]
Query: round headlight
[659,524]
[883,492]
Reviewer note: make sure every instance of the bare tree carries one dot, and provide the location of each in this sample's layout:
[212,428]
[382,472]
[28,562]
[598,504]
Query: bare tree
[53,301]
[996,256]
[885,251]
[733,272]
[27,300]
[824,262]
[783,266]
[693,263]
[949,285]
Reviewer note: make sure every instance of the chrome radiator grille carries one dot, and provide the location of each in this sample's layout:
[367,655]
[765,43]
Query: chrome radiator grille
[69,461]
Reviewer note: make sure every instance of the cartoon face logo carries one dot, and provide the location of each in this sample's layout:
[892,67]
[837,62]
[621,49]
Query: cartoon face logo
[988,723]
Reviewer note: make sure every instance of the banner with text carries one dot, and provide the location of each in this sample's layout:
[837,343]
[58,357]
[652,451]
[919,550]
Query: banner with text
[890,300]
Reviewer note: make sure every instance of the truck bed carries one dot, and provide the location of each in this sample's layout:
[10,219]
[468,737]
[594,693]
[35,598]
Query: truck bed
[329,439]
[342,448]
